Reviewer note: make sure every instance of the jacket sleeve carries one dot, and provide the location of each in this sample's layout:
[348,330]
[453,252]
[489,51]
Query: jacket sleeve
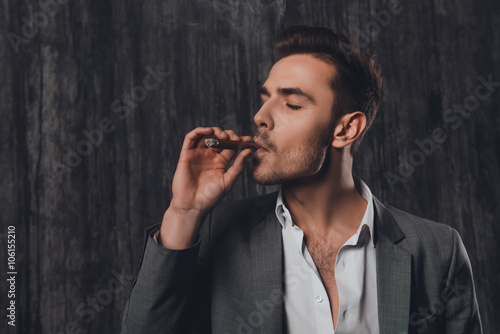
[462,313]
[171,291]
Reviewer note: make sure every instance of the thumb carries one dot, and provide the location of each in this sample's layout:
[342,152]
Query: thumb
[238,166]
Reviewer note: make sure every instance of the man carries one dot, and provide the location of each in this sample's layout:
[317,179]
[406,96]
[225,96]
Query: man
[322,255]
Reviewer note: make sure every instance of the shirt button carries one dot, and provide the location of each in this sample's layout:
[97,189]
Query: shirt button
[319,299]
[345,314]
[343,264]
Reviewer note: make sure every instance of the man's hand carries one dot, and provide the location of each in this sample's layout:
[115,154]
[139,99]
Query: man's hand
[200,182]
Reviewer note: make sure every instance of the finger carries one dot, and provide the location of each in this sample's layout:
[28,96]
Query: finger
[232,135]
[220,133]
[246,138]
[193,137]
[235,170]
[228,154]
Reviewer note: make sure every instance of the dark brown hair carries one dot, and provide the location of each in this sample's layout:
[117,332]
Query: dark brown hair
[357,84]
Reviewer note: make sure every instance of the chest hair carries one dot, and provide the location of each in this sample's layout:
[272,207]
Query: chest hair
[324,252]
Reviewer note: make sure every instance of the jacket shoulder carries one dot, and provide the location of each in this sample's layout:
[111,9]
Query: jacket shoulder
[252,207]
[413,224]
[238,216]
[424,235]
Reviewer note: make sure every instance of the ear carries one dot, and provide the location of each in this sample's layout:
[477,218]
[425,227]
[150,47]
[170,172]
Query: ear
[348,129]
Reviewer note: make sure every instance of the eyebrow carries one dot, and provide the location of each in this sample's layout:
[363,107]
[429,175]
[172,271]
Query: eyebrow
[289,91]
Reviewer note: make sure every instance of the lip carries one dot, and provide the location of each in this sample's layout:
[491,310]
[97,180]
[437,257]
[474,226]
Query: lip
[262,147]
[261,150]
[260,153]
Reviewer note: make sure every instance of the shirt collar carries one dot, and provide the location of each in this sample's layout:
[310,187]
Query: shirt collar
[284,217]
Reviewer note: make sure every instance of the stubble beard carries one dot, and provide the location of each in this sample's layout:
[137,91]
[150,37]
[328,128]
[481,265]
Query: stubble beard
[301,162]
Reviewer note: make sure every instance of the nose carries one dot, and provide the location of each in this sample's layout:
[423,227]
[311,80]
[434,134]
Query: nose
[263,118]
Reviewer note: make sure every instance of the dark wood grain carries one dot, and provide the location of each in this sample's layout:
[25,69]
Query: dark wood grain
[80,222]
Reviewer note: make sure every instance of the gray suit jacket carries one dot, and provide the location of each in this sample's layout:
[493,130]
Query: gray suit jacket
[231,280]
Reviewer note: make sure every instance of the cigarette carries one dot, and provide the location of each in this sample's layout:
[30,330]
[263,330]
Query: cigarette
[229,144]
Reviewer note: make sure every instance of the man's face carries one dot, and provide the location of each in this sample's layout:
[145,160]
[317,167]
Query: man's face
[294,120]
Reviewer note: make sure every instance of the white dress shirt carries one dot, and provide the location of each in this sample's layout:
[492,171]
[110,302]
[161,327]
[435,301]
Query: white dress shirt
[306,303]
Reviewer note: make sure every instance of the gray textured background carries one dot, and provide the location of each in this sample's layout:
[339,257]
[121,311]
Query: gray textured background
[79,222]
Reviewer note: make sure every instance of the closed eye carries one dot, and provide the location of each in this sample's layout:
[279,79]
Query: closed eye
[291,106]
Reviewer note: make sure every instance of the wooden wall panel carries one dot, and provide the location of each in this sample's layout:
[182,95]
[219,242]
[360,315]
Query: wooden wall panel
[144,74]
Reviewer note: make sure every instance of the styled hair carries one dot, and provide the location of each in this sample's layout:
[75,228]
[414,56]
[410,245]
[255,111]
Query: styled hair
[356,84]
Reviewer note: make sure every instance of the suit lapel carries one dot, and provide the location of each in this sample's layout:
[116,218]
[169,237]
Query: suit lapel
[393,273]
[266,254]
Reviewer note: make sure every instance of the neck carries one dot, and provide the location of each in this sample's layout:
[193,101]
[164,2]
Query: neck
[327,202]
